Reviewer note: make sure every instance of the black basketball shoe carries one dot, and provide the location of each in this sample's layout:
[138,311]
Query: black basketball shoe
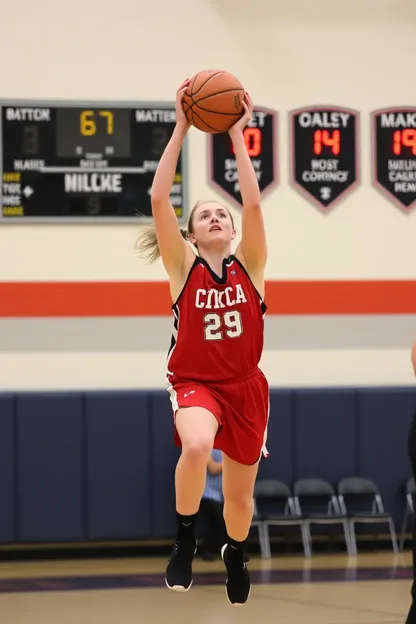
[237,586]
[179,569]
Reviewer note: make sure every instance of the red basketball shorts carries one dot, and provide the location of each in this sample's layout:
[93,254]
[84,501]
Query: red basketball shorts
[241,409]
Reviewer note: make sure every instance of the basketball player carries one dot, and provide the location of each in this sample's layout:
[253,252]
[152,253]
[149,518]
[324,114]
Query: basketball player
[220,397]
[411,617]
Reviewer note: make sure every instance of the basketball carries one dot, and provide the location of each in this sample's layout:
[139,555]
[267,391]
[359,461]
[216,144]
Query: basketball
[213,101]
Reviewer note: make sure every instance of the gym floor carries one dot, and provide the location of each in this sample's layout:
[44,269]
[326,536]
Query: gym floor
[334,589]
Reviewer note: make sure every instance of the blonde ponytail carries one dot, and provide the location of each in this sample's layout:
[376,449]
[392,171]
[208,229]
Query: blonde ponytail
[147,246]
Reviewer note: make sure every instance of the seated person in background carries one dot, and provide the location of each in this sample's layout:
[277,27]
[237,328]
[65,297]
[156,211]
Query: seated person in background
[213,529]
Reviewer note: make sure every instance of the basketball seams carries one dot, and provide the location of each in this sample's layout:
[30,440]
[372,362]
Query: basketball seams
[206,110]
[204,83]
[187,106]
[192,116]
[195,114]
[222,114]
[191,86]
[212,95]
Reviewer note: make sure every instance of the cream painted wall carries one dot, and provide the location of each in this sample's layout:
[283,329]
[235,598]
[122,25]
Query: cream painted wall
[288,54]
[357,53]
[287,369]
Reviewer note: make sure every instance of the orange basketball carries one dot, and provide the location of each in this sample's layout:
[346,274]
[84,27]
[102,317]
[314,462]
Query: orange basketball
[213,100]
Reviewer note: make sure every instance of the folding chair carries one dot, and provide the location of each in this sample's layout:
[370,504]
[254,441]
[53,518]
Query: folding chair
[278,493]
[363,491]
[320,494]
[258,523]
[409,510]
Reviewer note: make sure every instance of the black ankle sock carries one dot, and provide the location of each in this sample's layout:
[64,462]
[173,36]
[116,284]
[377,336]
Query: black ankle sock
[185,526]
[236,547]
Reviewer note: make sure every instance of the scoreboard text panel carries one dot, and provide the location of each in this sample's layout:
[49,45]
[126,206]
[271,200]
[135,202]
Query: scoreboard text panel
[79,162]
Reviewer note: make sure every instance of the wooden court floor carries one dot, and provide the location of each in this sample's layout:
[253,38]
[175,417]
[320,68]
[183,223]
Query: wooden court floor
[368,589]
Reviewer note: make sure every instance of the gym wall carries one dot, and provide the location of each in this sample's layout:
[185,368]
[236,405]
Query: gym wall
[88,455]
[288,55]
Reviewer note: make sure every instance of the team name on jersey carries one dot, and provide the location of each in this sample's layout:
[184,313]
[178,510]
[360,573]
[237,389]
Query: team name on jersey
[214,299]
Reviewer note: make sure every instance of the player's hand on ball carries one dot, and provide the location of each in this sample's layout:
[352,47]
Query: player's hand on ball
[181,119]
[246,118]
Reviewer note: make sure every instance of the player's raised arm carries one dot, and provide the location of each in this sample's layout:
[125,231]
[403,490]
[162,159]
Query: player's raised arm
[172,246]
[253,245]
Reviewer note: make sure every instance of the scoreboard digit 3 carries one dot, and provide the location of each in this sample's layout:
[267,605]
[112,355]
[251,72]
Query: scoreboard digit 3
[85,161]
[394,154]
[324,153]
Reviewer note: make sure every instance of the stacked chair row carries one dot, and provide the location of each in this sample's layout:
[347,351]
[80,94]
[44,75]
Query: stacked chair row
[311,502]
[410,491]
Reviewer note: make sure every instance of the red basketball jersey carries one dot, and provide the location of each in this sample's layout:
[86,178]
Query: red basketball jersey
[218,325]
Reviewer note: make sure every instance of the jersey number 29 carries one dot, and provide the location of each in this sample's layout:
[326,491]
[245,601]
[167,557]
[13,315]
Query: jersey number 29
[217,325]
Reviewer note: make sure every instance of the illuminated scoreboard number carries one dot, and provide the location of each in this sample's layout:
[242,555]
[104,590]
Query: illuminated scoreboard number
[261,143]
[394,155]
[82,162]
[324,153]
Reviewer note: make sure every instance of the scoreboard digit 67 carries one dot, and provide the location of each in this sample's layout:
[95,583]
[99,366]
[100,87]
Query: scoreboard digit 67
[85,161]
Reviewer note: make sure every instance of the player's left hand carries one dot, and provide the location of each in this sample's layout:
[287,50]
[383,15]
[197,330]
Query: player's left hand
[246,118]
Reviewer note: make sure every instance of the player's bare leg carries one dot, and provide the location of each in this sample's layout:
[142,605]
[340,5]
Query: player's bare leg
[196,427]
[238,487]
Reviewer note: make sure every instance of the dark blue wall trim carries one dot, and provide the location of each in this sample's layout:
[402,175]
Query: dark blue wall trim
[82,466]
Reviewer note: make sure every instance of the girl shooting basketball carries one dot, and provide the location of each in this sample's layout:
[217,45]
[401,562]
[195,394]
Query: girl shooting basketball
[220,397]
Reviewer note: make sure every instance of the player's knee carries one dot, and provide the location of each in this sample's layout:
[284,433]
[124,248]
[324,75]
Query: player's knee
[242,502]
[197,450]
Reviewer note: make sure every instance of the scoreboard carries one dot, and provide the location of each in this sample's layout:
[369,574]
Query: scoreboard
[394,155]
[85,161]
[324,144]
[260,137]
[78,162]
